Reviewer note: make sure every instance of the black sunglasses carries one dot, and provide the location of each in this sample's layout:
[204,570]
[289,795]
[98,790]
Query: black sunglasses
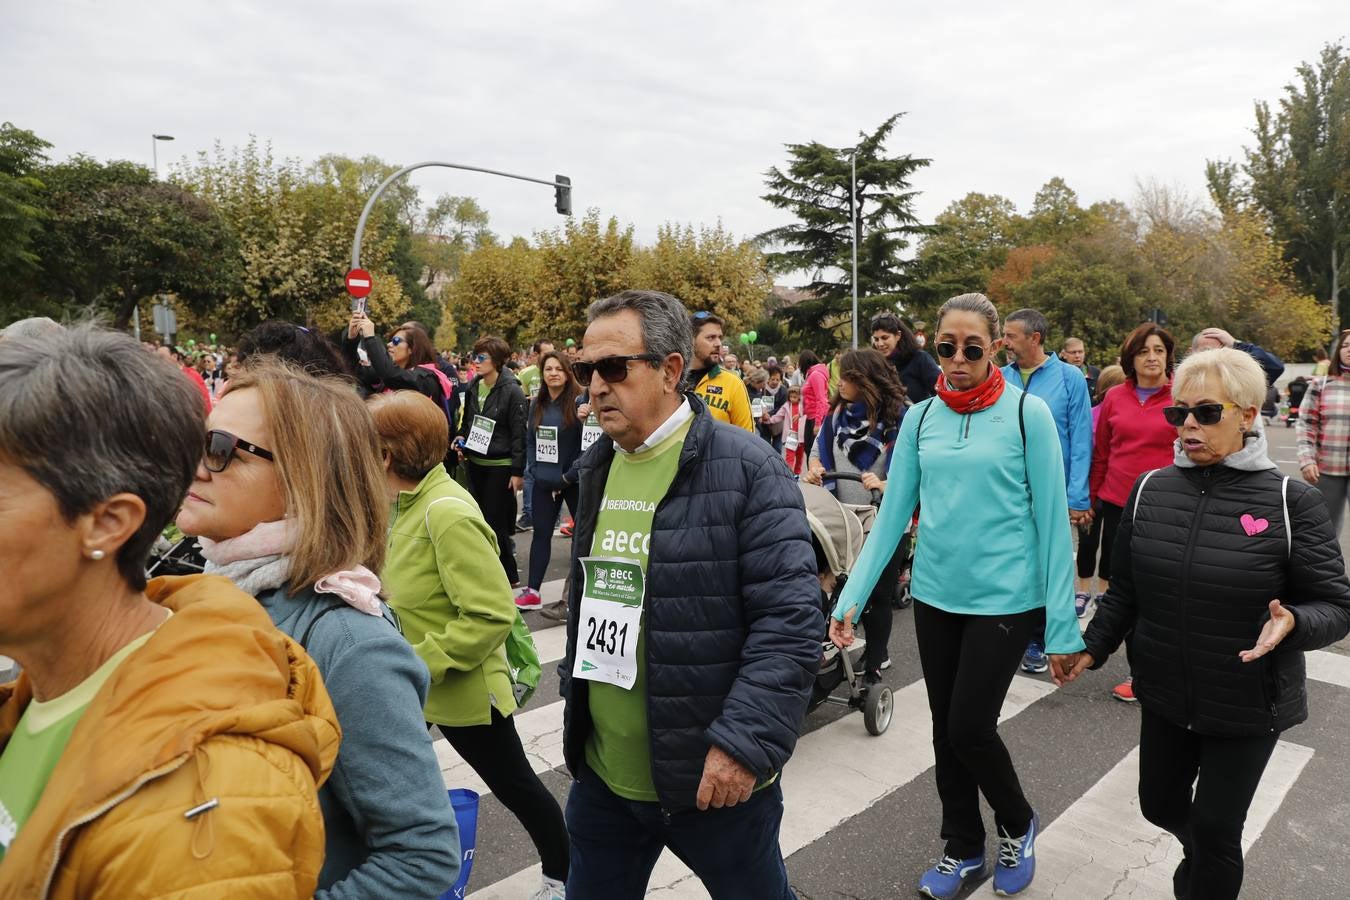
[1205,413]
[220,447]
[972,352]
[613,369]
[396,340]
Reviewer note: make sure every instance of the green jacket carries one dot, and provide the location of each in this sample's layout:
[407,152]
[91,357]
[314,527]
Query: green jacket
[443,578]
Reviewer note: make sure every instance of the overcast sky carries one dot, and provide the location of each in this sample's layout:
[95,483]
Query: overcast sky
[666,112]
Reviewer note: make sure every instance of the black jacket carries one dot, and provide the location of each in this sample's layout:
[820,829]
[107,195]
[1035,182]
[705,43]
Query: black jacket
[505,405]
[732,620]
[382,374]
[1193,573]
[919,374]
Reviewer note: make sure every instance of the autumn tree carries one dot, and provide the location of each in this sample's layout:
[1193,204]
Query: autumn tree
[708,269]
[969,240]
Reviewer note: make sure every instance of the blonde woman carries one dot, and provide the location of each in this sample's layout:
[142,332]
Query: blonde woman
[289,503]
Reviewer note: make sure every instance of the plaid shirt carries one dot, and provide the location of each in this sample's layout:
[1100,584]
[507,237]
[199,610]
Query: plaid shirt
[1324,426]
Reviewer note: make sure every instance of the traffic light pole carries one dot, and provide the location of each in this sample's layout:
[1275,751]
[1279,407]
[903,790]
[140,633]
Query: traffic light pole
[562,188]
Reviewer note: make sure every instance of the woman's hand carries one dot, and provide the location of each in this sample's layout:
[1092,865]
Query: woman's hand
[1065,667]
[584,411]
[1277,629]
[872,482]
[517,482]
[1311,473]
[354,325]
[841,633]
[813,473]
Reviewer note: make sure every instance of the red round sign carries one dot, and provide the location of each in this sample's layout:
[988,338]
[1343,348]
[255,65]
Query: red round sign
[359,283]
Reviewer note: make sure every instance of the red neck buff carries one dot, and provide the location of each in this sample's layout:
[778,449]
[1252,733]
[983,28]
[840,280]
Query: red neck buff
[982,396]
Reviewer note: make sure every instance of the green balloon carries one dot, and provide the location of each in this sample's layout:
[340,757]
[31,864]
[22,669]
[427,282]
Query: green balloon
[571,343]
[192,343]
[213,337]
[744,338]
[754,336]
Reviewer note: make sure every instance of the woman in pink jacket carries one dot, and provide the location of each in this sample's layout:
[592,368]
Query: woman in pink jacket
[816,388]
[1131,438]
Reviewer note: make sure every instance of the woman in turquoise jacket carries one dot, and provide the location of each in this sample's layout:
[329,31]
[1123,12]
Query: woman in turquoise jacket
[982,461]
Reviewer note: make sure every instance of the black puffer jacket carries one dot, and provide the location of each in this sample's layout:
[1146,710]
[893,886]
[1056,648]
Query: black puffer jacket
[1193,573]
[732,620]
[506,405]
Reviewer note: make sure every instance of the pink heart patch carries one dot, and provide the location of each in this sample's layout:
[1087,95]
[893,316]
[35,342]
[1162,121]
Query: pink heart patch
[1253,526]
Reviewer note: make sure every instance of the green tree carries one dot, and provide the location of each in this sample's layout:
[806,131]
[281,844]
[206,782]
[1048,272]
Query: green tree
[814,188]
[970,239]
[1299,175]
[22,154]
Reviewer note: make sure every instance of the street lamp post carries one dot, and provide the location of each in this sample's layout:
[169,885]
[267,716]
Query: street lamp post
[154,155]
[853,232]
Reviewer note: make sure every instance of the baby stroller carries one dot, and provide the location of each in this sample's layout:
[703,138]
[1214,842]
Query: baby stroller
[1297,388]
[837,532]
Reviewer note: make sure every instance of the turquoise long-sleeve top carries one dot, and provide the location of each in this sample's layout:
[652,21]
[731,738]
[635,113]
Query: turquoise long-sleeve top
[994,533]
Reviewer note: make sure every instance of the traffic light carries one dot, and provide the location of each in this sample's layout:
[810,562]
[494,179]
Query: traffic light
[562,195]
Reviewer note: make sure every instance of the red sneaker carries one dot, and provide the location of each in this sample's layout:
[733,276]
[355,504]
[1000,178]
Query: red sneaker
[567,528]
[1124,691]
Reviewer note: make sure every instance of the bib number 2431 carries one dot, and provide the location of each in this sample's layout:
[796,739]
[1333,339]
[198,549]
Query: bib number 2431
[611,616]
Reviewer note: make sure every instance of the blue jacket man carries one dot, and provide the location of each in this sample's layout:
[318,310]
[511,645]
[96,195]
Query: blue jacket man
[1063,389]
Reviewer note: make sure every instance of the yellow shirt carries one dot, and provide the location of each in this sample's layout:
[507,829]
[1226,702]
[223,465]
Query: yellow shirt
[726,397]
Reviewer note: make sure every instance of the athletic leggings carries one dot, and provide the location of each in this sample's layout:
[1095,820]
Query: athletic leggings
[491,488]
[495,753]
[545,514]
[1102,534]
[1224,772]
[968,664]
[878,616]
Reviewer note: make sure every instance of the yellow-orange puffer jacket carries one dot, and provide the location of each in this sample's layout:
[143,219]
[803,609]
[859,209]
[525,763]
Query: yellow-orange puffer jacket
[217,706]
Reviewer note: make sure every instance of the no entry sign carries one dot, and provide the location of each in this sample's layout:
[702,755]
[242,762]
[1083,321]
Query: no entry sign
[359,283]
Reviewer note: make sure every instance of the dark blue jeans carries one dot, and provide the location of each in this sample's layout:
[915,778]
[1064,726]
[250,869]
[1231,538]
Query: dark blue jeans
[546,509]
[615,843]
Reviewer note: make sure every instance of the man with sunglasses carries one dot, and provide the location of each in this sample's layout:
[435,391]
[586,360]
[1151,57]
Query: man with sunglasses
[721,389]
[692,649]
[1064,390]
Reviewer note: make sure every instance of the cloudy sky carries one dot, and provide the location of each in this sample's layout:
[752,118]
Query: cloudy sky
[666,112]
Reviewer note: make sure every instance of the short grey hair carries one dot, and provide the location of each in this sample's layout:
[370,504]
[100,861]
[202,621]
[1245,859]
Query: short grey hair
[665,322]
[87,413]
[34,327]
[1242,377]
[1034,321]
[976,303]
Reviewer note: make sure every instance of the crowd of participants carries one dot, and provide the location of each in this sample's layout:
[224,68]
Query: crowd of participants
[265,729]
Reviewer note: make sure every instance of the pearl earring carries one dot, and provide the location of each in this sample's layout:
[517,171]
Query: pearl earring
[96,554]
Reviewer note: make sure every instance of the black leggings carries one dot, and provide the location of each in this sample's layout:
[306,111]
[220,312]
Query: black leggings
[1102,534]
[491,488]
[495,753]
[545,513]
[878,616]
[968,664]
[1209,823]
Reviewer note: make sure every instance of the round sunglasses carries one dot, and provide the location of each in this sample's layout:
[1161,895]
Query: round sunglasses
[972,352]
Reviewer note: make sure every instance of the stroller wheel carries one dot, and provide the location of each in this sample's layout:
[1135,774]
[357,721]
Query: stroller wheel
[877,709]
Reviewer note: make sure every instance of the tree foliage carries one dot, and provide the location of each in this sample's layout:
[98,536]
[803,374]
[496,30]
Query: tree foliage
[22,154]
[814,188]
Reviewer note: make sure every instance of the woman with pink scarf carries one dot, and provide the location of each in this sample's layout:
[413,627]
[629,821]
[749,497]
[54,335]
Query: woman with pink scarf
[289,503]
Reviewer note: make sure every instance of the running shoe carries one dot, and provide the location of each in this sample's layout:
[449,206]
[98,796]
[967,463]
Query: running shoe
[946,879]
[555,613]
[568,528]
[885,665]
[1016,864]
[1080,603]
[529,599]
[1034,660]
[523,524]
[1124,691]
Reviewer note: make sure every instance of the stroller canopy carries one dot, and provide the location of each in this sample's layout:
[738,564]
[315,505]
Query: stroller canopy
[835,527]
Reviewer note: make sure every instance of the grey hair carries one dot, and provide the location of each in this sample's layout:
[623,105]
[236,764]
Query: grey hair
[87,413]
[975,303]
[665,322]
[34,327]
[1241,376]
[1034,321]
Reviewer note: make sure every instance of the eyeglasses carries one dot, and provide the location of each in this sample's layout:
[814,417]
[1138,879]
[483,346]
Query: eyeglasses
[702,314]
[972,352]
[1205,413]
[396,340]
[220,447]
[613,369]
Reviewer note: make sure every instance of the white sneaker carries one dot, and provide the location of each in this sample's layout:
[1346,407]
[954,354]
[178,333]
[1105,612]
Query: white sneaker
[552,889]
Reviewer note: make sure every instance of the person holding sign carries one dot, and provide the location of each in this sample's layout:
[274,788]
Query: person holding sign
[552,446]
[492,443]
[694,633]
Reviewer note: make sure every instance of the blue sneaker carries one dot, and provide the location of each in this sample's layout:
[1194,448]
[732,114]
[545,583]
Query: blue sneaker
[1034,660]
[1016,864]
[945,880]
[1080,604]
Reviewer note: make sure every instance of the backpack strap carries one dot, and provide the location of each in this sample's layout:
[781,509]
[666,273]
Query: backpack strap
[1288,529]
[1021,420]
[1139,494]
[309,629]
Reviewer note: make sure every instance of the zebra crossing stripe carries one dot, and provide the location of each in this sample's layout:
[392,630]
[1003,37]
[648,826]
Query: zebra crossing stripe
[1333,668]
[879,766]
[1101,846]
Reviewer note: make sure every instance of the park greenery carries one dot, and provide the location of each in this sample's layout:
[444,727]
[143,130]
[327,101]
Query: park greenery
[236,237]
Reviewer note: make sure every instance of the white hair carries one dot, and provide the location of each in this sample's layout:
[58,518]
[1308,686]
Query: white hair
[1243,380]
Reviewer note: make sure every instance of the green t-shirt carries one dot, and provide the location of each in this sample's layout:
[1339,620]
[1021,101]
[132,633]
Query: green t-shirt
[529,381]
[619,748]
[38,741]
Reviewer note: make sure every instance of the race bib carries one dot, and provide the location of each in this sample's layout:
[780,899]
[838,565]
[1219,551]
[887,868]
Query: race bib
[534,389]
[611,616]
[480,436]
[756,408]
[546,444]
[790,440]
[590,432]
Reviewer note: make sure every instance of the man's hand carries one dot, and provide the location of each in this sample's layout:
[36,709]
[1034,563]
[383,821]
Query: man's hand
[725,781]
[841,632]
[584,411]
[1275,630]
[1080,517]
[873,483]
[1065,667]
[1311,473]
[1218,334]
